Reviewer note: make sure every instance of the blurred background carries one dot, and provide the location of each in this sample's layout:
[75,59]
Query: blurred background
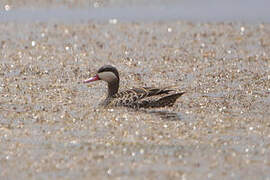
[83,10]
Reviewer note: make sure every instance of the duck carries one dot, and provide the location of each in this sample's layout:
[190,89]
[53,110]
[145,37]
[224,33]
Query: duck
[142,97]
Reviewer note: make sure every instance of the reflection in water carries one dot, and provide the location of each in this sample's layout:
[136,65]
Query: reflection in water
[166,115]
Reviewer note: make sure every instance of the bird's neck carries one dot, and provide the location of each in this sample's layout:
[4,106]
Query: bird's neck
[113,87]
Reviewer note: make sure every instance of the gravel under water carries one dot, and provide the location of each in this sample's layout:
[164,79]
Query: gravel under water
[51,126]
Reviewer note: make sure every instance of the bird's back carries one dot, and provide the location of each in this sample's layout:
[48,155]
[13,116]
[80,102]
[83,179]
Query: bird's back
[145,97]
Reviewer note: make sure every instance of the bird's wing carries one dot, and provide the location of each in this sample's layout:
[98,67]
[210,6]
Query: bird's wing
[146,97]
[140,93]
[162,101]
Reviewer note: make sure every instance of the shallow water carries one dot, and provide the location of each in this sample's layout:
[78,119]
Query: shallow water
[52,128]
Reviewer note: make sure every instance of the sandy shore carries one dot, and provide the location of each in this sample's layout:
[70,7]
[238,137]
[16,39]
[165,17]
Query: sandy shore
[52,128]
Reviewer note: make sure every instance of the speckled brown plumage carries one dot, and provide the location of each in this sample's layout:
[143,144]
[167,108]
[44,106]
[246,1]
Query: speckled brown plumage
[145,97]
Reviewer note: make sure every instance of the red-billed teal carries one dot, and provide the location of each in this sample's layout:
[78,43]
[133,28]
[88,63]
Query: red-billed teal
[145,97]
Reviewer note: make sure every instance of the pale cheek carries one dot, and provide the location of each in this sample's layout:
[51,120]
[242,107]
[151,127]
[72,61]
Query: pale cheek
[107,79]
[107,76]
